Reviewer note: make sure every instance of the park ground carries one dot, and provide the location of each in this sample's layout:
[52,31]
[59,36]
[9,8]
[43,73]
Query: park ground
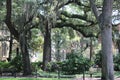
[40,78]
[54,76]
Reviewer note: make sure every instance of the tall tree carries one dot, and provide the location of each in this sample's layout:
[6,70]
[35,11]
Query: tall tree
[49,20]
[104,20]
[20,32]
[25,54]
[47,46]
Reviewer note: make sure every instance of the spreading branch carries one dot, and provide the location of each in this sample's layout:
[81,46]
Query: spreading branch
[77,16]
[8,21]
[94,9]
[76,27]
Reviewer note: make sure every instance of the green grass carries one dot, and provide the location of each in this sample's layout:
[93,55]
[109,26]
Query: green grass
[32,79]
[54,75]
[66,77]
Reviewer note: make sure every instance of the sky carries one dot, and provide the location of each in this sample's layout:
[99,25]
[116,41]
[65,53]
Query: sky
[115,17]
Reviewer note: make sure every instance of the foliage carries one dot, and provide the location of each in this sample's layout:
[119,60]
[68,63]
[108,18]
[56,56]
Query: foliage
[53,66]
[75,64]
[117,62]
[36,42]
[6,65]
[36,66]
[17,62]
[98,59]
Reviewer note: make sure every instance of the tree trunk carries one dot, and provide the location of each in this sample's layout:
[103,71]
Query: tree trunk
[91,49]
[118,45]
[107,56]
[106,34]
[8,21]
[47,46]
[25,55]
[10,48]
[17,51]
[20,37]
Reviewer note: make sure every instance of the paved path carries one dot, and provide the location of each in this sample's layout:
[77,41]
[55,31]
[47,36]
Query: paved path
[93,79]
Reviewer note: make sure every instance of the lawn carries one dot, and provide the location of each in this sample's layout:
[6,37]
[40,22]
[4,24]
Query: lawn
[33,79]
[87,75]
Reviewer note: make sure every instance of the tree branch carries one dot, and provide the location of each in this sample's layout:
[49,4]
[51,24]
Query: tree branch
[79,3]
[62,5]
[29,20]
[94,9]
[82,17]
[8,22]
[76,27]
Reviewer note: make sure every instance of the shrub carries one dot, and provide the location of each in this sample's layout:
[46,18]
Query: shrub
[53,66]
[98,59]
[6,65]
[17,63]
[75,64]
[36,66]
[117,62]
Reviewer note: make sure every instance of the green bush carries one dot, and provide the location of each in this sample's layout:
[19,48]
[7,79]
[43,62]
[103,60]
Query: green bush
[17,63]
[53,66]
[36,66]
[6,65]
[117,62]
[75,64]
[98,59]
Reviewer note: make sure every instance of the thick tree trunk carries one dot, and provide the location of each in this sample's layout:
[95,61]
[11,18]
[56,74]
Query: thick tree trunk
[47,46]
[107,56]
[25,55]
[23,40]
[106,35]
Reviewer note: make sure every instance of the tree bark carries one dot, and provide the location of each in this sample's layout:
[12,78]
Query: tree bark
[19,37]
[25,55]
[105,25]
[47,46]
[8,21]
[106,35]
[107,56]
